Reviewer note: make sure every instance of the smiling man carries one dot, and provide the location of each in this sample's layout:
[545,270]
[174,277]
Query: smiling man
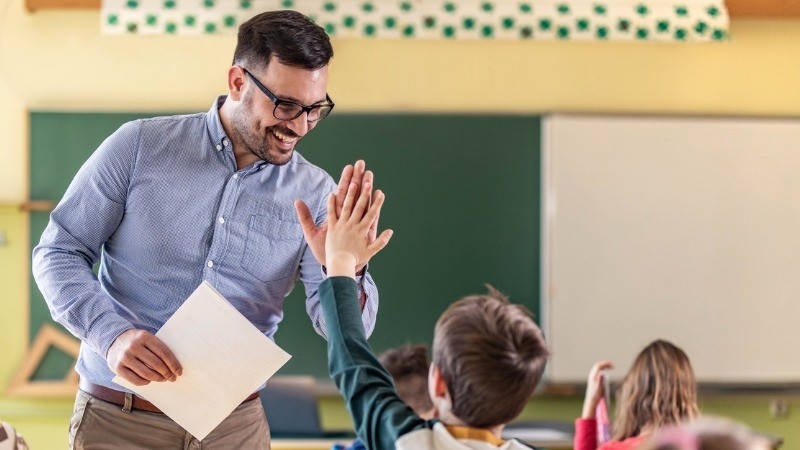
[167,202]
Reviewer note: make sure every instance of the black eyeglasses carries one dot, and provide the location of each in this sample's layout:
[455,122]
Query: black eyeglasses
[289,110]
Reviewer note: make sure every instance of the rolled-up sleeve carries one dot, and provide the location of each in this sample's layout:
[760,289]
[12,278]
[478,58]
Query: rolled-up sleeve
[84,219]
[311,274]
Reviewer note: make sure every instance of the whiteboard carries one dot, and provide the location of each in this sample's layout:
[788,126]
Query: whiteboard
[686,229]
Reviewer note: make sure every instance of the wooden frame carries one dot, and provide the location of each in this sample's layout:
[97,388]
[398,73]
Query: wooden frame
[763,8]
[736,8]
[22,385]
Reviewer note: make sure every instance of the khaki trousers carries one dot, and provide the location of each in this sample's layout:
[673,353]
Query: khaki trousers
[99,425]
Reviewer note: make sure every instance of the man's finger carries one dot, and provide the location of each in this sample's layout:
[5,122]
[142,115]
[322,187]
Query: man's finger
[332,215]
[306,220]
[358,172]
[129,375]
[141,369]
[155,362]
[368,179]
[162,351]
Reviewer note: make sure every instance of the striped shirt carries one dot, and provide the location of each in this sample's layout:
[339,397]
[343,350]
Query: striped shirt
[162,206]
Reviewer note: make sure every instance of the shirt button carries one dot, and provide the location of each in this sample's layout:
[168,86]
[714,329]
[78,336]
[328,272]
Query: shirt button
[221,219]
[219,147]
[225,142]
[210,263]
[235,176]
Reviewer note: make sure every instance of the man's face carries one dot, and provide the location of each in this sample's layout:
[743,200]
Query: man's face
[260,132]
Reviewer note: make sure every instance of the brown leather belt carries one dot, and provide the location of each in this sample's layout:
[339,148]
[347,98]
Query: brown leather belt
[119,397]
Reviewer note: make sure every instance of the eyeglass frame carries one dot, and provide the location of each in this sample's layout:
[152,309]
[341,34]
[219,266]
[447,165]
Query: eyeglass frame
[278,101]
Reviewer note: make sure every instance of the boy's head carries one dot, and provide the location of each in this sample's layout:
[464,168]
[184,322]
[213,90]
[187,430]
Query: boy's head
[408,365]
[488,357]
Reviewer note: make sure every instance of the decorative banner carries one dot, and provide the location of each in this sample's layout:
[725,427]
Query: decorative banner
[661,20]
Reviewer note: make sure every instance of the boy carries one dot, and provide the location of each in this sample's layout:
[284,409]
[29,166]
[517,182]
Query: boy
[488,355]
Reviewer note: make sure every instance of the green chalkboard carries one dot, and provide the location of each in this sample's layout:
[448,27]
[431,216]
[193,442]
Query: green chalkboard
[463,196]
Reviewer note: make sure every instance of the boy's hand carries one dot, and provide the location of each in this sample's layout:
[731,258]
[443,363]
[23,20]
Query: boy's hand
[348,243]
[315,235]
[594,388]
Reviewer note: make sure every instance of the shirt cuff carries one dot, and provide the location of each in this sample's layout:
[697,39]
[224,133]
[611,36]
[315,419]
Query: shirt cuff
[105,330]
[359,277]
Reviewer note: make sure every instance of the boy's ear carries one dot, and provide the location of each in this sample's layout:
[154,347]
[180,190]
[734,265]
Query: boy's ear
[439,386]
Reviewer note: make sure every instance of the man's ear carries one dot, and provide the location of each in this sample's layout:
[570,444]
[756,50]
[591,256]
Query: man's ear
[236,79]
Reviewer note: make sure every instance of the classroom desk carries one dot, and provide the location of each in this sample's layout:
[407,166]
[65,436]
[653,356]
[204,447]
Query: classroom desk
[304,444]
[327,444]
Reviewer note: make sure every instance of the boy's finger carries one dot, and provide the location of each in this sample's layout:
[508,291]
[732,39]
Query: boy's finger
[371,217]
[380,242]
[347,208]
[373,227]
[362,203]
[344,182]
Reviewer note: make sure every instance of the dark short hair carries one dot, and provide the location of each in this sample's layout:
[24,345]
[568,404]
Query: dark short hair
[491,355]
[290,36]
[408,365]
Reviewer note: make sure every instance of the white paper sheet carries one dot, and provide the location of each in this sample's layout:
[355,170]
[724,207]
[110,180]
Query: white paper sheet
[224,357]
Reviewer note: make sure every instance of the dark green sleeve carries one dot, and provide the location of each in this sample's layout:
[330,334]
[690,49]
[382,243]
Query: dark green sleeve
[379,415]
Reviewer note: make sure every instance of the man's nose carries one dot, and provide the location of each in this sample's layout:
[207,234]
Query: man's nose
[299,125]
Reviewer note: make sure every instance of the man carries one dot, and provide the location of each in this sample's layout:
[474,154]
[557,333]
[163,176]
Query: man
[172,201]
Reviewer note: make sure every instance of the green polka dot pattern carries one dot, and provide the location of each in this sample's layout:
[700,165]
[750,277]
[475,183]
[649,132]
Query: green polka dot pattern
[632,20]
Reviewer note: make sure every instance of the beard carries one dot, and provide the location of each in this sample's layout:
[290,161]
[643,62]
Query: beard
[260,142]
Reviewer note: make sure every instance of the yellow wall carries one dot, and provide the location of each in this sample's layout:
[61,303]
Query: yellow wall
[59,60]
[14,294]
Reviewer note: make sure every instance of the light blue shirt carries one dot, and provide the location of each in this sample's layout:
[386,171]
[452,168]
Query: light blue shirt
[162,206]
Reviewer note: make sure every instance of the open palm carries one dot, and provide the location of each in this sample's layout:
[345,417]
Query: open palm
[315,235]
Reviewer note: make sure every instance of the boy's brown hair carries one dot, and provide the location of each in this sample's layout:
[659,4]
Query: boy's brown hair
[408,365]
[491,355]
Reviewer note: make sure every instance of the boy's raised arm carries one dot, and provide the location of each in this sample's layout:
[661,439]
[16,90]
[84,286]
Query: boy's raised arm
[379,415]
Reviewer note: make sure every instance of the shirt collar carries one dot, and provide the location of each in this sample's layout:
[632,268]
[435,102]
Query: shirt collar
[219,140]
[475,434]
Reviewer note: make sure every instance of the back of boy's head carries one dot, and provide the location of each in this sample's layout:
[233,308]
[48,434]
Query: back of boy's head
[408,365]
[491,355]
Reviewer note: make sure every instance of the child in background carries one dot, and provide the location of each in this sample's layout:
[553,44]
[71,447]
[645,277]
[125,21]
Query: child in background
[408,365]
[707,434]
[488,354]
[658,390]
[10,439]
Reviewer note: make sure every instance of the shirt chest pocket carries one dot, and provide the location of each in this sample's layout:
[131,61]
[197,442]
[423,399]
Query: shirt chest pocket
[273,248]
